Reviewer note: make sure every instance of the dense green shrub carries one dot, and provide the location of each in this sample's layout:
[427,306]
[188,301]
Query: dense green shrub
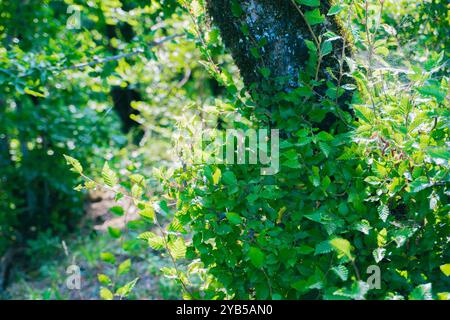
[368,190]
[336,207]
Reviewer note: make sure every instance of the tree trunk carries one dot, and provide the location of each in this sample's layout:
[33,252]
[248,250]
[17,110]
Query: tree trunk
[279,29]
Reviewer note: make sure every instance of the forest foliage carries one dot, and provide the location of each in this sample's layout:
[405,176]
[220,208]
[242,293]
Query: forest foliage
[116,91]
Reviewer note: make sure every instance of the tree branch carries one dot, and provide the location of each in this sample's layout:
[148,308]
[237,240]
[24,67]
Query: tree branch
[122,55]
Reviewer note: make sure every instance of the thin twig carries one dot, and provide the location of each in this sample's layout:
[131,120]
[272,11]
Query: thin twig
[122,55]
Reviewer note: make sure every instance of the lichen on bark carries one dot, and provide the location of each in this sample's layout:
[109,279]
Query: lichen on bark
[278,24]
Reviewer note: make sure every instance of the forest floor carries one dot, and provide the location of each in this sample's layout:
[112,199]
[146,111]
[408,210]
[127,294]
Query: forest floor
[44,276]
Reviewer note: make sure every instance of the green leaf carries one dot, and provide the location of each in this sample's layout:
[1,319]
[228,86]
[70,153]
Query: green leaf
[117,210]
[154,241]
[445,268]
[229,178]
[341,271]
[34,93]
[104,279]
[136,191]
[363,226]
[311,3]
[216,176]
[125,290]
[304,249]
[177,248]
[325,148]
[433,89]
[323,247]
[439,153]
[236,9]
[234,218]
[124,267]
[280,214]
[106,294]
[326,48]
[310,45]
[109,176]
[300,285]
[76,166]
[422,292]
[382,237]
[324,136]
[265,72]
[148,212]
[383,212]
[255,53]
[378,254]
[257,257]
[419,184]
[137,178]
[314,17]
[114,232]
[335,10]
[342,246]
[108,257]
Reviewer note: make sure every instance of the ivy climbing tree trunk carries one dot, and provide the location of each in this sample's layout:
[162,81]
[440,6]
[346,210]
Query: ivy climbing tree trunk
[273,39]
[290,54]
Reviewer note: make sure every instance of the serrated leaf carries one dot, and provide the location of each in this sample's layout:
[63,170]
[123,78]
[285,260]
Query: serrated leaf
[106,294]
[314,17]
[108,257]
[342,246]
[177,248]
[234,218]
[104,279]
[325,148]
[383,212]
[148,212]
[137,179]
[109,176]
[125,290]
[378,254]
[363,226]
[419,184]
[175,226]
[323,247]
[335,10]
[136,191]
[76,165]
[341,271]
[154,241]
[124,267]
[256,256]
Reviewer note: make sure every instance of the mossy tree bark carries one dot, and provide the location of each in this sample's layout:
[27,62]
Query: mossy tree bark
[279,29]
